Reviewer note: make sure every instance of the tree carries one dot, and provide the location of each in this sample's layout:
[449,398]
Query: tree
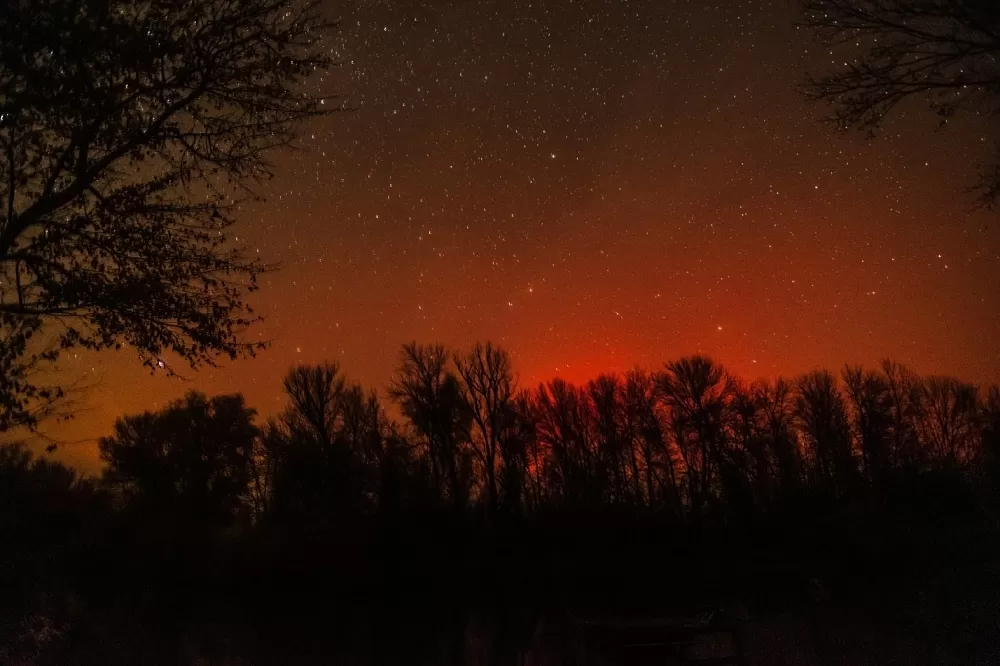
[334,454]
[905,397]
[777,411]
[22,401]
[316,402]
[822,412]
[697,391]
[46,511]
[751,445]
[565,426]
[429,394]
[614,448]
[129,136]
[318,475]
[191,461]
[488,391]
[659,459]
[944,51]
[39,496]
[991,444]
[949,413]
[869,396]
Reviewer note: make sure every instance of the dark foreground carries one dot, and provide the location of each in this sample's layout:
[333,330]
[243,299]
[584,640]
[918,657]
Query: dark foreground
[651,519]
[864,590]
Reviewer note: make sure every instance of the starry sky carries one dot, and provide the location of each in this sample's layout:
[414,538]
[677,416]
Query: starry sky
[596,185]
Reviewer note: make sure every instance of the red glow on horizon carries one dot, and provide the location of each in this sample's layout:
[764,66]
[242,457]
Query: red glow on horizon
[695,205]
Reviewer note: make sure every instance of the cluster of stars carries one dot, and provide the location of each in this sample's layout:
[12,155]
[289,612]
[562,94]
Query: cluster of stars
[600,184]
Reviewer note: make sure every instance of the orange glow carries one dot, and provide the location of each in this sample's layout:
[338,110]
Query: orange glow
[679,198]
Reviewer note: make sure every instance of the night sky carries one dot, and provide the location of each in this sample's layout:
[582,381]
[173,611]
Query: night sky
[596,185]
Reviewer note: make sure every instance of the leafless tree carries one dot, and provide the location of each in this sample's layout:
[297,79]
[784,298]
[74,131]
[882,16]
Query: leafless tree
[905,405]
[316,396]
[614,448]
[660,460]
[948,419]
[429,394]
[565,427]
[697,392]
[946,52]
[777,405]
[488,390]
[869,397]
[822,414]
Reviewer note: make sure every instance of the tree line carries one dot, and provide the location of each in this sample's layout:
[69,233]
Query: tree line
[480,494]
[688,442]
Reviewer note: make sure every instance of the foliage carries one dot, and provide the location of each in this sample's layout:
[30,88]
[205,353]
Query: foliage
[192,459]
[129,135]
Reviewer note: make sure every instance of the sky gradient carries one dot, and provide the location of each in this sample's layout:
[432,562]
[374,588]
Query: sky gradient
[597,185]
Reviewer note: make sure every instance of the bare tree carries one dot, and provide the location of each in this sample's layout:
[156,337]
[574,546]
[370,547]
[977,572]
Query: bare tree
[822,414]
[869,396]
[776,402]
[946,52]
[697,391]
[564,422]
[948,419]
[991,443]
[660,460]
[528,444]
[316,394]
[429,394]
[488,391]
[750,440]
[261,471]
[326,448]
[130,133]
[905,399]
[614,443]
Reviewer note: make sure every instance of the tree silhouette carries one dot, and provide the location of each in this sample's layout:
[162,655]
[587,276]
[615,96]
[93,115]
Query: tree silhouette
[822,411]
[488,392]
[601,495]
[777,405]
[991,445]
[944,51]
[753,455]
[660,460]
[316,397]
[189,462]
[124,131]
[869,396]
[613,442]
[519,449]
[429,394]
[905,400]
[697,392]
[334,458]
[37,494]
[22,401]
[318,478]
[949,413]
[564,427]
[45,510]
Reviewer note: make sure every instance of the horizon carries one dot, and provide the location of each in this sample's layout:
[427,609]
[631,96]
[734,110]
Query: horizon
[593,209]
[500,332]
[83,455]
